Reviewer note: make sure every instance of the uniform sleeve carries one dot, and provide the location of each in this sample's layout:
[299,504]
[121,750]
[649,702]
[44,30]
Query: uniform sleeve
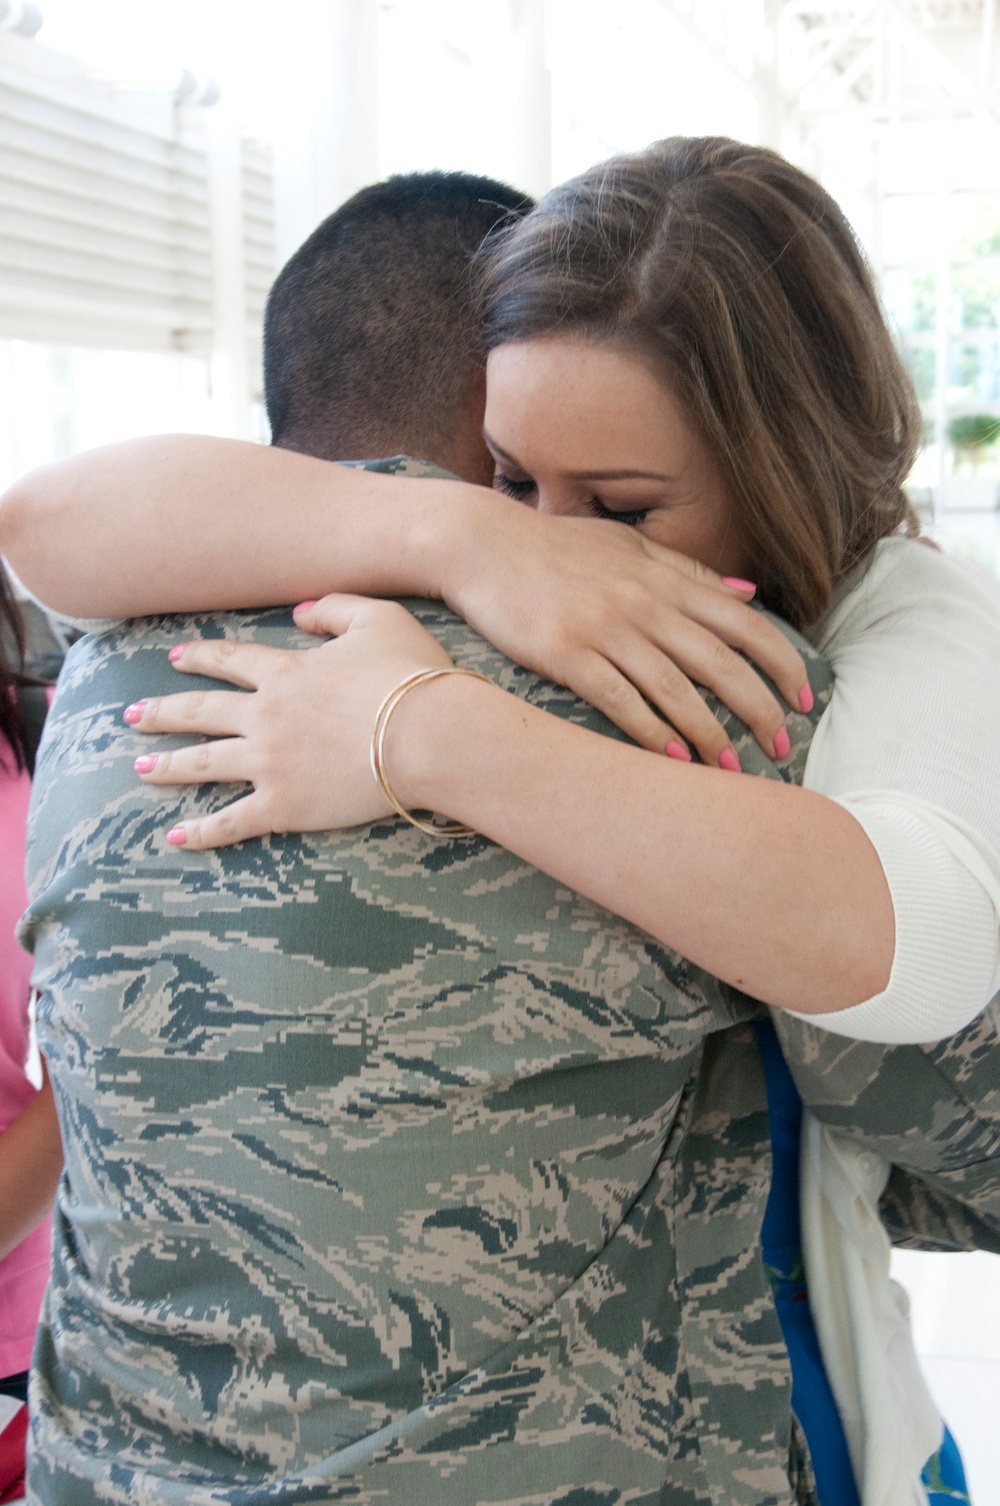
[909,745]
[94,625]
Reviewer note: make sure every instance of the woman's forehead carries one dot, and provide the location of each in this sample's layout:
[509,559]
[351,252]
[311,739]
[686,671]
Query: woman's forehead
[580,401]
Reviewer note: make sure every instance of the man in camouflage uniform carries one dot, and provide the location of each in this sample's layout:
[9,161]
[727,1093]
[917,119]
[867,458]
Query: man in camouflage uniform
[396,1172]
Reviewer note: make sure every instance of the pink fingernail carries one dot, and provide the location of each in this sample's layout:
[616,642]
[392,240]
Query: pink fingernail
[736,584]
[782,743]
[806,702]
[133,713]
[303,606]
[176,652]
[146,763]
[677,750]
[728,760]
[177,836]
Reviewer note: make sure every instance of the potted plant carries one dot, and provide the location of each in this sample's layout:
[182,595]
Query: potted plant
[972,434]
[972,437]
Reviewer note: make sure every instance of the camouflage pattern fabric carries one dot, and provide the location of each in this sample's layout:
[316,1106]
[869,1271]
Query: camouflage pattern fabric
[396,1172]
[932,1111]
[918,1216]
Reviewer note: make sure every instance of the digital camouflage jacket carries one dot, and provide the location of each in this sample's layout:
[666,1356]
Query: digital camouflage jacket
[396,1172]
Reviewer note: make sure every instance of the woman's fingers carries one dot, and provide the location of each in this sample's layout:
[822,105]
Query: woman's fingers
[674,696]
[238,822]
[212,713]
[734,623]
[243,664]
[646,683]
[688,588]
[226,762]
[598,682]
[697,655]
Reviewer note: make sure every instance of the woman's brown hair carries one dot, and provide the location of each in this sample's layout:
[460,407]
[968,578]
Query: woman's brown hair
[738,275]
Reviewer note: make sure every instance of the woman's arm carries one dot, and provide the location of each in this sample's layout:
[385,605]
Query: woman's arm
[183,522]
[31,1160]
[771,888]
[776,890]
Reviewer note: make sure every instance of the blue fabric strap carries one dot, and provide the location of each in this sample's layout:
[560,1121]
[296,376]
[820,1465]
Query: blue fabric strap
[812,1399]
[781,1240]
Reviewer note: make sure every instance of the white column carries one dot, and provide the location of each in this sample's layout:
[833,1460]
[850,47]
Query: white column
[326,121]
[528,103]
[231,398]
[986,49]
[942,337]
[768,76]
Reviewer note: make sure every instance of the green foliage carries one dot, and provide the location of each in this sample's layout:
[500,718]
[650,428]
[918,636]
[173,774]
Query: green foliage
[974,431]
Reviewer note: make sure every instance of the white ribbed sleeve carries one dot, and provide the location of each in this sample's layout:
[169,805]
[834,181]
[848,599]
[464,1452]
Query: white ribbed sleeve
[910,745]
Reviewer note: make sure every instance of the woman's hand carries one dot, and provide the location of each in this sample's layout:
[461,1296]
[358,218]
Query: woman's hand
[625,623]
[302,737]
[760,883]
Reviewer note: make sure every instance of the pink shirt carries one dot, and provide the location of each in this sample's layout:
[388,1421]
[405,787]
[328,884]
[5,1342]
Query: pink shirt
[24,1272]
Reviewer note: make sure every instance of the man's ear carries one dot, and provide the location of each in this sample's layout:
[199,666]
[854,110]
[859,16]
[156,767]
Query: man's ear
[472,460]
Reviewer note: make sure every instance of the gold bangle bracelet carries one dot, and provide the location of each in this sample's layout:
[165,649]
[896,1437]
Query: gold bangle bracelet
[377,750]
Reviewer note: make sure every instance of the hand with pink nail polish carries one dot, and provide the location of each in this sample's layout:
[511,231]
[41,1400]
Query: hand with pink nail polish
[301,736]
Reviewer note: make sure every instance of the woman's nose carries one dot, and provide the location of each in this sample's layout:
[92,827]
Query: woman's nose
[547,501]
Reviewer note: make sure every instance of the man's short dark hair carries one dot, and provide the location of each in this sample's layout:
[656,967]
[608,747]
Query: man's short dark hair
[371,336]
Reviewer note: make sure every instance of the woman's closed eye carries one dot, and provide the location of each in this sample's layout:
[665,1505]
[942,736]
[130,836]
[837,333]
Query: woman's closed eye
[632,518]
[519,490]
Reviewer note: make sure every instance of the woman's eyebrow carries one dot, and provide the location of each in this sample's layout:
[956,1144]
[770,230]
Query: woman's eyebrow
[583,475]
[619,476]
[500,453]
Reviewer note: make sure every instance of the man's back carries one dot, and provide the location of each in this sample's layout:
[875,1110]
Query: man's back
[375,1155]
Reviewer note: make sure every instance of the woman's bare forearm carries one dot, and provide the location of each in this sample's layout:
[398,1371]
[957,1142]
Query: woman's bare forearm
[182,522]
[31,1160]
[774,889]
